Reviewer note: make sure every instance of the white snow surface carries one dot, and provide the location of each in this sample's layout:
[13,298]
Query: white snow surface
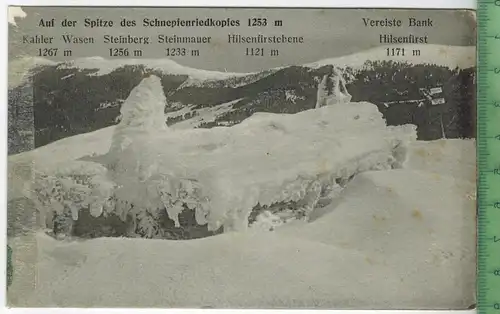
[13,13]
[392,239]
[449,56]
[234,81]
[382,245]
[451,157]
[201,115]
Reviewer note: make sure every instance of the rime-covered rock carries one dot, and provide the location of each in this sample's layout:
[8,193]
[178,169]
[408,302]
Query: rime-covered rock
[332,90]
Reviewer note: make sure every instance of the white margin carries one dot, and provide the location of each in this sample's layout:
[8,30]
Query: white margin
[3,156]
[434,4]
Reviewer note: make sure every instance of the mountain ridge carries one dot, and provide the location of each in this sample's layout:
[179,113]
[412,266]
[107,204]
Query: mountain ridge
[449,56]
[68,100]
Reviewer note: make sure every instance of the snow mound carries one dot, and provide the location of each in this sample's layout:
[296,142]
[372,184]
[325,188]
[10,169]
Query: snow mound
[389,208]
[232,270]
[416,240]
[450,56]
[449,157]
[22,167]
[423,230]
[141,114]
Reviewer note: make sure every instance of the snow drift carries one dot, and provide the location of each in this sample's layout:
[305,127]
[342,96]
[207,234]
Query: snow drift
[221,173]
[449,157]
[383,245]
[392,239]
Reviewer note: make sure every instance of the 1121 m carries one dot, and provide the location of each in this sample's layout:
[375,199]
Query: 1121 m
[254,52]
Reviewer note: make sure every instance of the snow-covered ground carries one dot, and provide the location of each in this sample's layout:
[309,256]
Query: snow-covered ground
[201,115]
[13,13]
[399,234]
[395,239]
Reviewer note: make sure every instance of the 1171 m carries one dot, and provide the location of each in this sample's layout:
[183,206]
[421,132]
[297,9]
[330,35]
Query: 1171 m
[401,52]
[396,52]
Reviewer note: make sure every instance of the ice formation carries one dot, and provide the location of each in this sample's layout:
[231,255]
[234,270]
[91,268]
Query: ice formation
[332,90]
[141,115]
[224,172]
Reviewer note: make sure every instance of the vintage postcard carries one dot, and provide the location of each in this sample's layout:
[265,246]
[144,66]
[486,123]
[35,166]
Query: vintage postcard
[241,158]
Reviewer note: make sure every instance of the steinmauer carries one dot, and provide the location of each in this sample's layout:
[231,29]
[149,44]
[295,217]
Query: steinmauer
[174,39]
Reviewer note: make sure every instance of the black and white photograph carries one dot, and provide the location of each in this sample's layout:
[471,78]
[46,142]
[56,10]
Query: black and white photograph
[245,158]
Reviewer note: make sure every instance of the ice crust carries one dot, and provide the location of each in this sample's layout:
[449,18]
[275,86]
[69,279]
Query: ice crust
[224,172]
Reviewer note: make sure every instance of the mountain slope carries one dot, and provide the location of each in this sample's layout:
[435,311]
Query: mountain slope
[167,66]
[21,69]
[442,55]
[72,98]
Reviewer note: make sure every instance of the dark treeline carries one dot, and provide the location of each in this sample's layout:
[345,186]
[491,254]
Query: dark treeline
[384,82]
[67,102]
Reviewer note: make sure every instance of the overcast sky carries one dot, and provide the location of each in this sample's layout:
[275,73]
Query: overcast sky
[327,32]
